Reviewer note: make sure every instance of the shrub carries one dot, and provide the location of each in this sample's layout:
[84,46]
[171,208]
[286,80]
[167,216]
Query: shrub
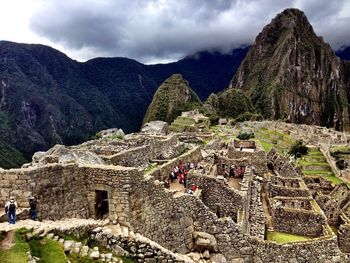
[249,116]
[298,149]
[341,164]
[245,135]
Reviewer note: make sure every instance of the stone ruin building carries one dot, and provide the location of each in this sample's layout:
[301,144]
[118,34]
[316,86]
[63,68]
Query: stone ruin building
[244,194]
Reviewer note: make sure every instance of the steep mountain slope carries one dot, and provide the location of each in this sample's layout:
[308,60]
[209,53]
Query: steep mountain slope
[290,73]
[344,53]
[171,98]
[48,98]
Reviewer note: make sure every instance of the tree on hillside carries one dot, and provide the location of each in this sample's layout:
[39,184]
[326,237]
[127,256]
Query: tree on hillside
[298,149]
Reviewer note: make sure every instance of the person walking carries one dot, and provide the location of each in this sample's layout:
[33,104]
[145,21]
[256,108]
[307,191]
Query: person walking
[33,206]
[10,209]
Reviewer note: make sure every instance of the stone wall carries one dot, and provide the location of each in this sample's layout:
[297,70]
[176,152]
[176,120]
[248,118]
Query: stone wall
[138,247]
[276,190]
[256,159]
[171,219]
[59,189]
[156,148]
[297,221]
[133,157]
[163,171]
[315,184]
[244,143]
[217,196]
[118,182]
[69,190]
[253,222]
[344,238]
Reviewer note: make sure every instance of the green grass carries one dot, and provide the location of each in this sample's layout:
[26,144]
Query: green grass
[18,253]
[269,138]
[334,179]
[340,150]
[315,153]
[281,237]
[320,172]
[266,146]
[306,163]
[128,259]
[47,250]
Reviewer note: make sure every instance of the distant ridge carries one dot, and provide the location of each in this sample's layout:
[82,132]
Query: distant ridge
[48,98]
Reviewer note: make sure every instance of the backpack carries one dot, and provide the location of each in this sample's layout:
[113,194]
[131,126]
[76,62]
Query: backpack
[12,207]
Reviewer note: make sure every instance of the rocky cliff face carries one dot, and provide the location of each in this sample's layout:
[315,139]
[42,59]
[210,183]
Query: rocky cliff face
[292,74]
[172,97]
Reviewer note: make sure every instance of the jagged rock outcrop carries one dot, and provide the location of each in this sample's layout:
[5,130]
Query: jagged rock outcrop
[65,155]
[290,73]
[156,128]
[172,97]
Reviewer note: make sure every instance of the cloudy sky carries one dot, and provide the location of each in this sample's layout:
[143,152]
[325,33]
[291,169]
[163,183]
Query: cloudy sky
[158,30]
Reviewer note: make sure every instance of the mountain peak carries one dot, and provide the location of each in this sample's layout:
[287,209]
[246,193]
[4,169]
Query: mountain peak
[172,97]
[290,73]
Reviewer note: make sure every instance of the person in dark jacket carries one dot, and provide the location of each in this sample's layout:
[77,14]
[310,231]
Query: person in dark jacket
[33,208]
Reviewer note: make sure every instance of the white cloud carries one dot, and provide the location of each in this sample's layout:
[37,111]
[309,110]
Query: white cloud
[158,30]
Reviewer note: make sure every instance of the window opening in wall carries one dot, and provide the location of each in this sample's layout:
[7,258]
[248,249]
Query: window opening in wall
[101,204]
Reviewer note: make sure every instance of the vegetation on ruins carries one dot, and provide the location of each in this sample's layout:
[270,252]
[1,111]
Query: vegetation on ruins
[17,253]
[47,250]
[249,116]
[340,153]
[245,135]
[298,149]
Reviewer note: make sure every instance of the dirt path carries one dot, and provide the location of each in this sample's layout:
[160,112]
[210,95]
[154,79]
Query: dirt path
[8,242]
[177,186]
[235,183]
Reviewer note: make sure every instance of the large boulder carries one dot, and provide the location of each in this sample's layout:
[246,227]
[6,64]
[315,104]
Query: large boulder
[114,132]
[204,241]
[156,128]
[65,155]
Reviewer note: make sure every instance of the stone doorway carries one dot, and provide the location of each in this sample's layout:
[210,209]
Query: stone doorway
[101,204]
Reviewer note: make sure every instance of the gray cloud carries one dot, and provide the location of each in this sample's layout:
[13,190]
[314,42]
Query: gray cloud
[150,30]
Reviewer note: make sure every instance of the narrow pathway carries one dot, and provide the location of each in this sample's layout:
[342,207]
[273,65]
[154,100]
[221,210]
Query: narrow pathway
[266,210]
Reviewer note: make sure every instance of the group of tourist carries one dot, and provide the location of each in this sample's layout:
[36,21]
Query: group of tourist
[11,206]
[179,172]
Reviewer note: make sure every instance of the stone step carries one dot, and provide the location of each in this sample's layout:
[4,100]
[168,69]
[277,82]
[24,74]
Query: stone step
[125,231]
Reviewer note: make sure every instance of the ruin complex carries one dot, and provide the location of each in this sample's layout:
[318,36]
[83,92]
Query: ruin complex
[245,194]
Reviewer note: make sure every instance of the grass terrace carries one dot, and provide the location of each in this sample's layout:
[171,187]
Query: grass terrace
[271,138]
[17,253]
[181,123]
[282,238]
